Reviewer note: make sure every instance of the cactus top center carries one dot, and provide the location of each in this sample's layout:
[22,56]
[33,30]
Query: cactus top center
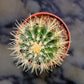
[36,48]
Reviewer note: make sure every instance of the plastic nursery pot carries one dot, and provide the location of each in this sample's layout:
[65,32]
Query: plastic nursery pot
[43,40]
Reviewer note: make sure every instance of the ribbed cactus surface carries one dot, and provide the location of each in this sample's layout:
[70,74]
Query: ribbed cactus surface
[39,43]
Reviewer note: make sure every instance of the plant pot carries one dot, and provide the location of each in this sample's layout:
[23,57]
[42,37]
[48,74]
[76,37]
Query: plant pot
[43,33]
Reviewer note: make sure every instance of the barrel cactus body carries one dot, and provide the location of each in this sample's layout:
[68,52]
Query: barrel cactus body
[39,43]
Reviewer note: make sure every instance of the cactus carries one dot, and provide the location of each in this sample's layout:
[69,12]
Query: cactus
[39,43]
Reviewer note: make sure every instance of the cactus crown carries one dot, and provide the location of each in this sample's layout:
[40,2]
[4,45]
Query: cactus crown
[39,43]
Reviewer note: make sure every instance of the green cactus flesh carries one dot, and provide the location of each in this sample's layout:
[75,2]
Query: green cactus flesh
[39,43]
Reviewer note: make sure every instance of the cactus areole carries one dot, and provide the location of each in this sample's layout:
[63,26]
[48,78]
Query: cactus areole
[41,41]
